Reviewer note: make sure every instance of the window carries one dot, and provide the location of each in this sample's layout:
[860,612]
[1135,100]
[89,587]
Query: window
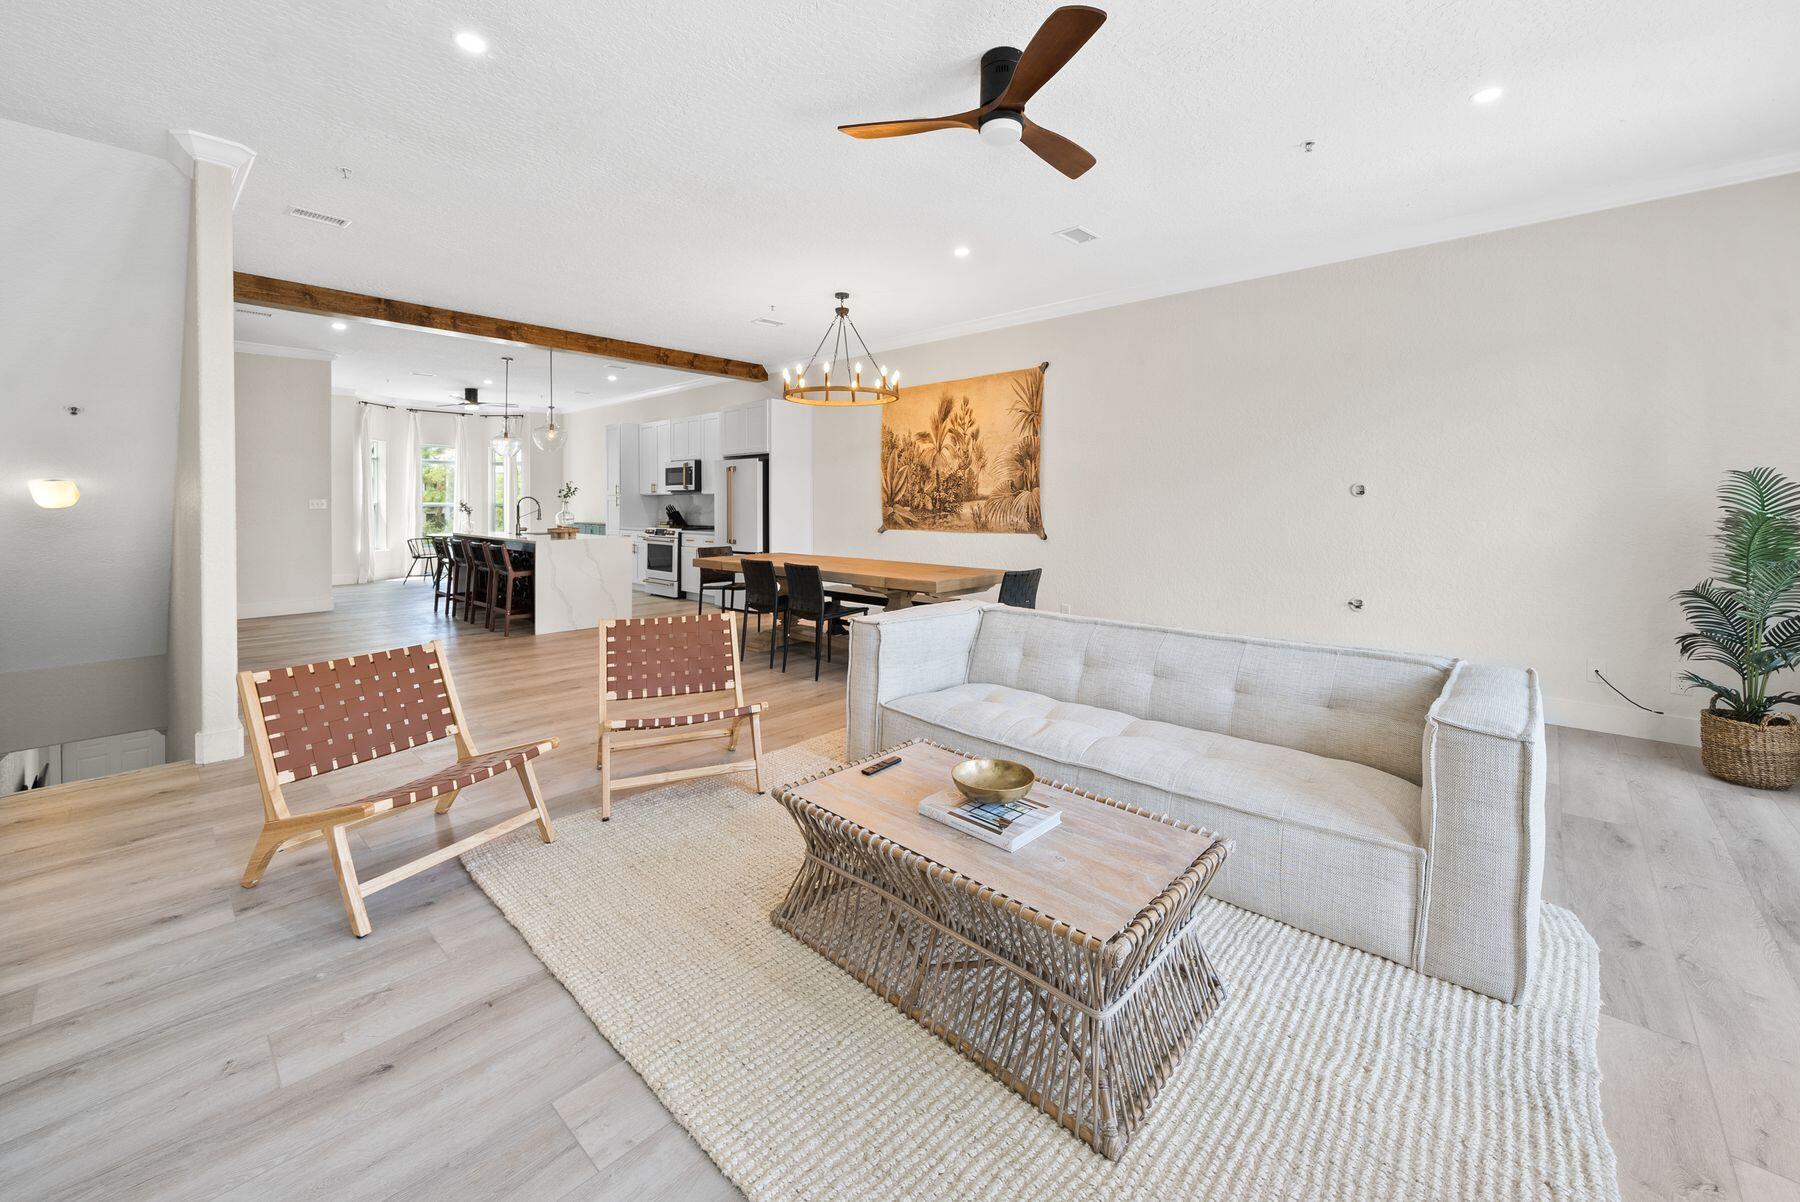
[437,488]
[505,484]
[376,485]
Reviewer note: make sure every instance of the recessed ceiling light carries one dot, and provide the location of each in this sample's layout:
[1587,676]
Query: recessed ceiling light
[961,252]
[487,381]
[612,379]
[470,42]
[1488,95]
[340,326]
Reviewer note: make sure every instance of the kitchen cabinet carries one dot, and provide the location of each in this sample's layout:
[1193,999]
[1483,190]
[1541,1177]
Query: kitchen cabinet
[712,467]
[744,428]
[621,471]
[653,456]
[637,560]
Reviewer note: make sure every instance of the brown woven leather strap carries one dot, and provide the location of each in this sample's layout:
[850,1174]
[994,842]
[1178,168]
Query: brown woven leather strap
[661,657]
[656,721]
[339,712]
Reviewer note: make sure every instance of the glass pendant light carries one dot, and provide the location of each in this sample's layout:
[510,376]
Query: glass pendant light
[504,442]
[549,436]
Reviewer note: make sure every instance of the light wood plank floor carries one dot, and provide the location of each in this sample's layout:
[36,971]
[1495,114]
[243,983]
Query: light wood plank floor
[166,1033]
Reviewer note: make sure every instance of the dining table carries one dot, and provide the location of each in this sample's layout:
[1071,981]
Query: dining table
[901,581]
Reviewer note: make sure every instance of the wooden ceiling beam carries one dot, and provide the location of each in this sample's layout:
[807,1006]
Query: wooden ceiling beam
[309,298]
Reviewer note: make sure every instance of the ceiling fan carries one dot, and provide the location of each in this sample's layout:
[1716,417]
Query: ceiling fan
[1009,79]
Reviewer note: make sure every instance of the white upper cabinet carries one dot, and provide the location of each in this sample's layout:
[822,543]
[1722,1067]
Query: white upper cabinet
[744,429]
[621,471]
[678,439]
[653,456]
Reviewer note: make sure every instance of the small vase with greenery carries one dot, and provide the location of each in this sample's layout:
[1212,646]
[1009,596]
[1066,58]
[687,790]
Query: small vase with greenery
[468,516]
[1747,618]
[566,494]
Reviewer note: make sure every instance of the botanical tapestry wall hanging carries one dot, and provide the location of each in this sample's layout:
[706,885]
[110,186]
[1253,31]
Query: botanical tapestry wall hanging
[965,455]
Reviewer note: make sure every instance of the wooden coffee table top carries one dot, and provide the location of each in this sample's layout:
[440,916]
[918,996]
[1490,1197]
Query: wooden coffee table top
[1096,871]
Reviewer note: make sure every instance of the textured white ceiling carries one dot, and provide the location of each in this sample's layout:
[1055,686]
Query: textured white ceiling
[375,360]
[667,172]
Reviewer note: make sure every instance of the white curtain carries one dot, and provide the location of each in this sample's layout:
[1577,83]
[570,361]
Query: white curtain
[363,500]
[414,521]
[471,470]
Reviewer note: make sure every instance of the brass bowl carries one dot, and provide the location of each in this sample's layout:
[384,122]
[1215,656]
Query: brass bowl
[984,779]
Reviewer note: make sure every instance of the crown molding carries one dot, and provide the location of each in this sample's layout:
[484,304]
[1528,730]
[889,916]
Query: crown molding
[1491,221]
[282,352]
[190,146]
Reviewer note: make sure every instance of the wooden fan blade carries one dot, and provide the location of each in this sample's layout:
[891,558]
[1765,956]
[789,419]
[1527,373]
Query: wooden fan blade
[1056,150]
[1063,33]
[923,125]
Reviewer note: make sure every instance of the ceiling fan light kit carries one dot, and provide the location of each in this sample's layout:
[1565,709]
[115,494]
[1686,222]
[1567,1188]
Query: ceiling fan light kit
[1009,78]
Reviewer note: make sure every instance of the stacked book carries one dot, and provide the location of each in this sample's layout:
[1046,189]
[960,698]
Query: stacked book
[1008,825]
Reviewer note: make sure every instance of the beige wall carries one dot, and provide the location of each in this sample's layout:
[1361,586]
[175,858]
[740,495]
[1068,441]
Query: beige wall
[283,465]
[1540,417]
[95,240]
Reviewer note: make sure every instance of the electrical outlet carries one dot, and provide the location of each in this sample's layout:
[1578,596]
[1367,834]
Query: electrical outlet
[1596,668]
[315,504]
[1064,607]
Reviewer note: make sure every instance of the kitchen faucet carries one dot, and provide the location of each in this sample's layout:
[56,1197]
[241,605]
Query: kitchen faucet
[518,517]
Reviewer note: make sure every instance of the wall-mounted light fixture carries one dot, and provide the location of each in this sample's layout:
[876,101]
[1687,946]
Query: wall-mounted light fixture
[54,494]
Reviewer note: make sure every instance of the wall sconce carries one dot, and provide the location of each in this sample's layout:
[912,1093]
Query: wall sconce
[54,494]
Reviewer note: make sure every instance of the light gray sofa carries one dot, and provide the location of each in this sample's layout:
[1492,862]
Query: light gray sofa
[1391,802]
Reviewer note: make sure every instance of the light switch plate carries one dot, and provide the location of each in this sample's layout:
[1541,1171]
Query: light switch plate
[315,504]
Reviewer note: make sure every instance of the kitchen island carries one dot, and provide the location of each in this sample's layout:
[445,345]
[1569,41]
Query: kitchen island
[578,582]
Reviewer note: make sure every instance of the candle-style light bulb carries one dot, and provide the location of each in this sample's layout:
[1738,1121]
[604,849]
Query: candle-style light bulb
[894,379]
[784,376]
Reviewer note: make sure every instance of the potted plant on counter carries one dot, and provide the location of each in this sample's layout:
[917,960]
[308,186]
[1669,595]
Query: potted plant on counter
[1747,617]
[564,517]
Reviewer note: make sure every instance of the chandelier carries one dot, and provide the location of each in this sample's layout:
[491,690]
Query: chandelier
[849,389]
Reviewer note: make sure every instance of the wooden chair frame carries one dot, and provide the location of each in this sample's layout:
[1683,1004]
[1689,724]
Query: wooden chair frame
[611,744]
[283,829]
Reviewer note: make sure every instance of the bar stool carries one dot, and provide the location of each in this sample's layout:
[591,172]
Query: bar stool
[509,586]
[481,581]
[460,572]
[443,580]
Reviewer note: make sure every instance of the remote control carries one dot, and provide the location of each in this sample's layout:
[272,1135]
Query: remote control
[881,765]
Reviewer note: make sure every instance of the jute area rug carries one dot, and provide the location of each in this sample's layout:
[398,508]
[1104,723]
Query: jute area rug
[1328,1073]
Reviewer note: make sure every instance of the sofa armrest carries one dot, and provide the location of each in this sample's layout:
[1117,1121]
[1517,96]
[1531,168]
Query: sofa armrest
[1483,798]
[903,651]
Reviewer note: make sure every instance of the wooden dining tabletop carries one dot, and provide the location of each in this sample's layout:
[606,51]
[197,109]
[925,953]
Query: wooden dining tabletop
[901,580]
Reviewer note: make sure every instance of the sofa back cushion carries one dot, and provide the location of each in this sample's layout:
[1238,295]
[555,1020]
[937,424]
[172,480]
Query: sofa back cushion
[1367,707]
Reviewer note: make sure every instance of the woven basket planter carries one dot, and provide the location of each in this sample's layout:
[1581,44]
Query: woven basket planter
[1765,756]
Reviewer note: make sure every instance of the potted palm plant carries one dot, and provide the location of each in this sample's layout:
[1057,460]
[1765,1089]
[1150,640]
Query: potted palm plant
[1747,617]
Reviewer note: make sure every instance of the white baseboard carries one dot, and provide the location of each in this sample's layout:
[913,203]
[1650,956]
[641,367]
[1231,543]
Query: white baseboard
[217,746]
[280,606]
[1680,725]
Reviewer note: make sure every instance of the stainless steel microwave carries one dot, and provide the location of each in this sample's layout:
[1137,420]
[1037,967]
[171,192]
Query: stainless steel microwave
[682,475]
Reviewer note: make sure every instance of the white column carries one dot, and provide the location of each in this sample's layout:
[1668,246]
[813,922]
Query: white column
[203,717]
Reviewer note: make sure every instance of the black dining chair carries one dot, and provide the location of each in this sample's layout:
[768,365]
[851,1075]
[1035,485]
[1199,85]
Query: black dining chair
[1020,588]
[762,595]
[806,600]
[424,559]
[725,582]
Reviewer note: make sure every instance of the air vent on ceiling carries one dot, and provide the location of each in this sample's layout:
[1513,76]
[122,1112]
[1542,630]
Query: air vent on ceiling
[618,367]
[1077,235]
[426,375]
[766,321]
[254,312]
[315,215]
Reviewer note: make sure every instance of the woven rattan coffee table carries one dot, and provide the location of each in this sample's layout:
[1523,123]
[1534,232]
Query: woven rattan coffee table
[1070,969]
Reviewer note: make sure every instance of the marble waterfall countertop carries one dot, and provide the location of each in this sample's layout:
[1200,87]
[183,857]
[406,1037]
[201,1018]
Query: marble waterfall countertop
[579,582]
